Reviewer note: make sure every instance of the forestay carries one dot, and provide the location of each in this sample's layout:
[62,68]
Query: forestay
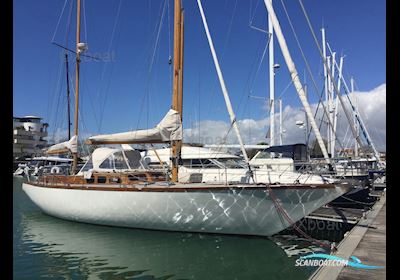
[169,129]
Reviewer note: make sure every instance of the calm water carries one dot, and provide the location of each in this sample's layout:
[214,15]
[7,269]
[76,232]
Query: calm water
[50,248]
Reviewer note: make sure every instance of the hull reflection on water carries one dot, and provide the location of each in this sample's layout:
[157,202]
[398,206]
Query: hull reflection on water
[106,252]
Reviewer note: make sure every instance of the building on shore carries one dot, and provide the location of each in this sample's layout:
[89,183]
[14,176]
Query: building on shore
[28,135]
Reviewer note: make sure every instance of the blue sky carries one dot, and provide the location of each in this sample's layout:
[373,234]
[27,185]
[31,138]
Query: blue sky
[120,94]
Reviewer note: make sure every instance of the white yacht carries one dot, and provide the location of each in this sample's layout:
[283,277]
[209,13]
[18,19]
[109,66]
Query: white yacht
[212,166]
[49,164]
[356,168]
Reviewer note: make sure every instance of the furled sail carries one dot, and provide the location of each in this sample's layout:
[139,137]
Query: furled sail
[169,129]
[64,147]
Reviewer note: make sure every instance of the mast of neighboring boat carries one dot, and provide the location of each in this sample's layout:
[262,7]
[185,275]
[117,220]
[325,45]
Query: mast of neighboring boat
[295,77]
[78,36]
[325,79]
[335,116]
[328,104]
[68,97]
[223,86]
[306,118]
[357,115]
[177,90]
[355,118]
[331,105]
[271,82]
[280,123]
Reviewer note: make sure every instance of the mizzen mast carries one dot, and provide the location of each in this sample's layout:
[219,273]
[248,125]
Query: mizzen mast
[177,90]
[68,97]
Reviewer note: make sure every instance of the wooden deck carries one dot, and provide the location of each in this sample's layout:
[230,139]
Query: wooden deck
[366,241]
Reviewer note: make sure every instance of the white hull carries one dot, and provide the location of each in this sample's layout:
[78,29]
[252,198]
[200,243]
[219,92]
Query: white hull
[228,211]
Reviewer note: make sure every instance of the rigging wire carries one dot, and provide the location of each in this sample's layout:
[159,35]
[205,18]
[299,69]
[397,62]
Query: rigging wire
[325,112]
[285,89]
[102,94]
[292,223]
[246,88]
[157,31]
[55,98]
[223,52]
[59,20]
[334,85]
[254,14]
[169,48]
[345,139]
[259,65]
[85,88]
[84,20]
[243,106]
[51,98]
[68,26]
[60,99]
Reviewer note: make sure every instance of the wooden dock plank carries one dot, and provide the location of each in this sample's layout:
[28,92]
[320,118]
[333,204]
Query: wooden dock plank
[371,250]
[367,241]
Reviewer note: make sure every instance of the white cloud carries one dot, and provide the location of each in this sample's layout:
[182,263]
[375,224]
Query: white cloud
[372,107]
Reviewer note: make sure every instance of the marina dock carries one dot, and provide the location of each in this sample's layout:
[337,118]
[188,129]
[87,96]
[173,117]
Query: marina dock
[367,241]
[335,214]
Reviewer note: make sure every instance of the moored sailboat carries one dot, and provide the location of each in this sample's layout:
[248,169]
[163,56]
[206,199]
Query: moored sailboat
[140,198]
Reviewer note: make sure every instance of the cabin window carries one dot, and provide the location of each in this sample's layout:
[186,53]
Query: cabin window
[101,179]
[133,158]
[114,161]
[264,154]
[186,163]
[196,163]
[232,163]
[119,161]
[107,163]
[115,180]
[132,178]
[88,165]
[90,181]
[155,165]
[208,164]
[137,177]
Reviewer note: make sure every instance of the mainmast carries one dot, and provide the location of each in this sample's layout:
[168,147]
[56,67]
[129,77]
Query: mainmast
[78,60]
[177,90]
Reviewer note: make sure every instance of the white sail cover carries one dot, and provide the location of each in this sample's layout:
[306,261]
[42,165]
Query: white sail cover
[169,129]
[70,145]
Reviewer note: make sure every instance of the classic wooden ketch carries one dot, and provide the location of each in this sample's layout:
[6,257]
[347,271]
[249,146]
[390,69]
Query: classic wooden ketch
[147,199]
